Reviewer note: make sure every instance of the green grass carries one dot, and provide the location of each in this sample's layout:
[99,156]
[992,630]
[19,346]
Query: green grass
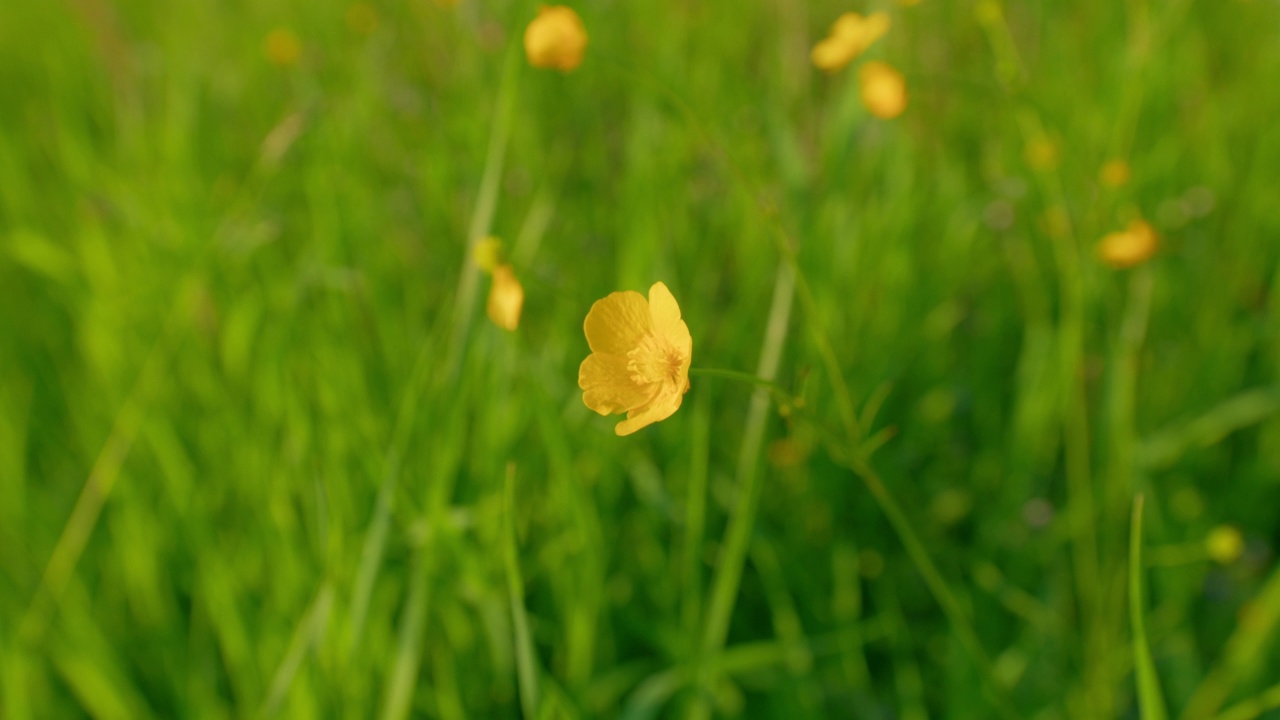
[262,454]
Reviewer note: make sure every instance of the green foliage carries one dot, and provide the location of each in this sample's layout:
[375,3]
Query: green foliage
[261,452]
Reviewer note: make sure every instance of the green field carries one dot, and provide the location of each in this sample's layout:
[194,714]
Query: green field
[264,454]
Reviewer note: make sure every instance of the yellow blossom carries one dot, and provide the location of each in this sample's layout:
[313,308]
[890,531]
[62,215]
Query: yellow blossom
[506,298]
[640,355]
[883,89]
[282,47]
[1224,544]
[555,39]
[1114,173]
[850,36]
[1130,246]
[1042,153]
[487,253]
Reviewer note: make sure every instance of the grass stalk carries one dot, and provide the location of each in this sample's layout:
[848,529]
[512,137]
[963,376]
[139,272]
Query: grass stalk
[102,477]
[526,664]
[695,518]
[464,307]
[1244,654]
[307,635]
[1150,700]
[937,584]
[486,204]
[1268,699]
[728,574]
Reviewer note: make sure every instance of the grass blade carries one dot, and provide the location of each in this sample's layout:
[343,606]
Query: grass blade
[1150,700]
[526,667]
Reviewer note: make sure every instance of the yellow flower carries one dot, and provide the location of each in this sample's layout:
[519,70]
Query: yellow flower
[282,47]
[1130,246]
[487,253]
[850,36]
[639,361]
[1042,153]
[1224,544]
[506,298]
[555,39]
[883,89]
[1114,173]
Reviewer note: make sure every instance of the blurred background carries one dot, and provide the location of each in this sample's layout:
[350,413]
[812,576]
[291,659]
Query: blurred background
[264,453]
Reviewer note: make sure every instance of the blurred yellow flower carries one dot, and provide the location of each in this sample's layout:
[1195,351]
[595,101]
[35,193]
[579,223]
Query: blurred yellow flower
[1042,153]
[1130,246]
[487,254]
[506,298]
[362,18]
[555,39]
[883,89]
[850,36]
[282,47]
[1224,544]
[1114,173]
[640,355]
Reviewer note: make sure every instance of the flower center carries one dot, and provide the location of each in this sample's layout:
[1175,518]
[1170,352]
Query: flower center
[654,360]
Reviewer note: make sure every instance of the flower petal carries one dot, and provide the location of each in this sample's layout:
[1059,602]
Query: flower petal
[663,308]
[660,409]
[830,54]
[506,298]
[883,89]
[848,25]
[666,320]
[555,39]
[616,323]
[607,386]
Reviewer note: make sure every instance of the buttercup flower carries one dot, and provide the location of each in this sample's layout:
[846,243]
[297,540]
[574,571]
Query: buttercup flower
[282,47]
[640,355]
[1042,153]
[1129,247]
[883,90]
[850,36]
[487,253]
[1114,173]
[506,298]
[555,39]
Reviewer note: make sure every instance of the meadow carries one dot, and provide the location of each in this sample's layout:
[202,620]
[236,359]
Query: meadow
[945,452]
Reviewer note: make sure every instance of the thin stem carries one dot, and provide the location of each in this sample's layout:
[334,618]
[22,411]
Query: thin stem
[778,391]
[737,538]
[1150,701]
[933,579]
[486,203]
[102,477]
[1099,628]
[1254,706]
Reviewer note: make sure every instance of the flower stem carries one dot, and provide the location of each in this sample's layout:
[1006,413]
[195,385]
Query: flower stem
[777,390]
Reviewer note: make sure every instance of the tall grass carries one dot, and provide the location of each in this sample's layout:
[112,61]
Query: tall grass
[261,453]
